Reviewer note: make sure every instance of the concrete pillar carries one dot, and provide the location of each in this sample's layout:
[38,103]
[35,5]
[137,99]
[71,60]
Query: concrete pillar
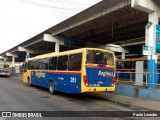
[28,51]
[13,60]
[13,57]
[27,55]
[151,41]
[57,47]
[4,59]
[55,39]
[123,55]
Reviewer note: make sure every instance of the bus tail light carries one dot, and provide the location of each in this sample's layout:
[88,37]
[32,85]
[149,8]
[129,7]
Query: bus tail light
[85,81]
[113,82]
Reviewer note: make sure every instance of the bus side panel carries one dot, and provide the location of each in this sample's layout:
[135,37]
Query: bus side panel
[68,83]
[40,78]
[25,77]
[34,79]
[74,82]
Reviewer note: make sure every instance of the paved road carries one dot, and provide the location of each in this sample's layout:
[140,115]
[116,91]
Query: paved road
[16,96]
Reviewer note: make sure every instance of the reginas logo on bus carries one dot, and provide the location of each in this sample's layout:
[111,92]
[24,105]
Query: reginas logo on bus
[105,74]
[40,74]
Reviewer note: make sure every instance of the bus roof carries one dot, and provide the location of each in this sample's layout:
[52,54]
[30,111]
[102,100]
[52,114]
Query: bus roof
[66,52]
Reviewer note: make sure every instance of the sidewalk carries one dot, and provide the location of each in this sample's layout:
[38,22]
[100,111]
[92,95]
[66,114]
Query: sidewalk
[134,101]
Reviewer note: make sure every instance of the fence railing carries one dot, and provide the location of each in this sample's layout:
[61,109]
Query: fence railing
[131,76]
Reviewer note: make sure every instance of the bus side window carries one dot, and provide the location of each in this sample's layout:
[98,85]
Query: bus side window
[33,65]
[45,63]
[53,63]
[39,64]
[62,62]
[75,61]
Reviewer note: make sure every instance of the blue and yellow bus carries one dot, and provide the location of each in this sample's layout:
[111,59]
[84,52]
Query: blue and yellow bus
[4,69]
[75,71]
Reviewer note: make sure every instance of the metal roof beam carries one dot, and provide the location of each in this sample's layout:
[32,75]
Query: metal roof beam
[11,55]
[131,42]
[22,49]
[134,43]
[54,39]
[2,58]
[112,47]
[115,48]
[117,6]
[34,42]
[147,6]
[30,51]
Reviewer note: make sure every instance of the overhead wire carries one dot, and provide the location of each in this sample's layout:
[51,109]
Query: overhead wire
[70,5]
[47,6]
[57,10]
[66,2]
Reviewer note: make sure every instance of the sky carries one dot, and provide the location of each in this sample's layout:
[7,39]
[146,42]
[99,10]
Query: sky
[20,20]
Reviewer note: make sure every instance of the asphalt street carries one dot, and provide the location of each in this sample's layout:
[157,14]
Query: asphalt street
[17,96]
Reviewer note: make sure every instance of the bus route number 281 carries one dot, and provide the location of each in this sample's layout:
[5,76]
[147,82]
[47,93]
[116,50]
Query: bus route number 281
[73,79]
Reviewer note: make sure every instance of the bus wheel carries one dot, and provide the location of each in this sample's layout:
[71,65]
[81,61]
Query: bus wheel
[51,87]
[29,82]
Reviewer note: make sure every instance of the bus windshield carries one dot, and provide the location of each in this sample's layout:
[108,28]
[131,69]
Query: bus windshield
[100,57]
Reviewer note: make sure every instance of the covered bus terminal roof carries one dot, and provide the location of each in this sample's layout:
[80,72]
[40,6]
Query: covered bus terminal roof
[110,22]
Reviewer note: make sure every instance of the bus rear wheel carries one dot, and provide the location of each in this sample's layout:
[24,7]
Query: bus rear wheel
[51,87]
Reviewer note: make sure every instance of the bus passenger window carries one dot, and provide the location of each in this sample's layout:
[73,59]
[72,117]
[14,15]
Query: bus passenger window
[33,65]
[45,63]
[39,64]
[62,62]
[75,61]
[53,63]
